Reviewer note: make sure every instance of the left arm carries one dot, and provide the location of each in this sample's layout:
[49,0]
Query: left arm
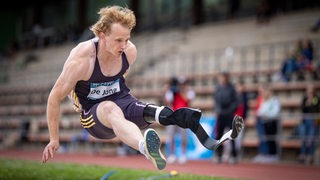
[131,53]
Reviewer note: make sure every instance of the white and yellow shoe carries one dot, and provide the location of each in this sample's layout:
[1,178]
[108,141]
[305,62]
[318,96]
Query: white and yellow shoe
[152,148]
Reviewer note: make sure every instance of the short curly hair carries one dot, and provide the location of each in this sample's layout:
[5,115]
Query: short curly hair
[113,14]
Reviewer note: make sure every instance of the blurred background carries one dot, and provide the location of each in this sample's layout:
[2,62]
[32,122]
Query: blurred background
[256,42]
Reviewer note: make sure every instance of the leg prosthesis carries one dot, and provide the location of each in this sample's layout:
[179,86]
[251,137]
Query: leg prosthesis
[183,117]
[189,118]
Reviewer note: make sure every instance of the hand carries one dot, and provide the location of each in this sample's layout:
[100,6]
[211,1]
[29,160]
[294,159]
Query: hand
[49,150]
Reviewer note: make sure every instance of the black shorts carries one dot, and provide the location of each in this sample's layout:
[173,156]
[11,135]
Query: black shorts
[131,108]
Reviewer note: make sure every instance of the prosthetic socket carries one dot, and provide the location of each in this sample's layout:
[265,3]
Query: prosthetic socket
[183,117]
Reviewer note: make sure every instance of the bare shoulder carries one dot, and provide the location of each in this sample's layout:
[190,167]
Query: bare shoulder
[79,59]
[131,52]
[84,50]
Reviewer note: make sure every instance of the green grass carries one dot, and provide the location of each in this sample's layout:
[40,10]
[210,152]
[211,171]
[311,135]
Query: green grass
[11,169]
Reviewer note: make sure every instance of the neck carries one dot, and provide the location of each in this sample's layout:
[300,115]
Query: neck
[103,54]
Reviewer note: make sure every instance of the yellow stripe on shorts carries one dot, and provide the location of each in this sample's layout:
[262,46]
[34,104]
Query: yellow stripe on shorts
[88,122]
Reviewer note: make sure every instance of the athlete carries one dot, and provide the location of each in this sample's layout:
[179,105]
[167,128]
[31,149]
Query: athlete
[93,76]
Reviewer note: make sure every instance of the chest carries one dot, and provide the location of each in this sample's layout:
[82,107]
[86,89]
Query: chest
[110,68]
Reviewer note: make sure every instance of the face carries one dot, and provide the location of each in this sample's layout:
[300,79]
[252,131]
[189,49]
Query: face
[117,40]
[240,88]
[267,93]
[222,79]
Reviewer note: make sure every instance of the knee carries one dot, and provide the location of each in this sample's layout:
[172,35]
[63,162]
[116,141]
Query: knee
[108,113]
[108,108]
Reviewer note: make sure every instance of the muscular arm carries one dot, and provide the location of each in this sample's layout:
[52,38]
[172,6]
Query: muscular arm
[75,69]
[131,53]
[60,90]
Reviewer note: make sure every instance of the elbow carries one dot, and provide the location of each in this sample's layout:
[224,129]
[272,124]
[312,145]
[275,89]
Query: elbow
[53,100]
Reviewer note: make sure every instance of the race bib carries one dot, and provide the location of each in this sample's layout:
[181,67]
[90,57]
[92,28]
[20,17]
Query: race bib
[101,90]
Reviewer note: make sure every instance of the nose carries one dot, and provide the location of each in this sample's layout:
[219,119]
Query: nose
[123,44]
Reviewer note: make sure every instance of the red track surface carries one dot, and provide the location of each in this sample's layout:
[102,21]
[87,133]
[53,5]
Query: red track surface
[243,170]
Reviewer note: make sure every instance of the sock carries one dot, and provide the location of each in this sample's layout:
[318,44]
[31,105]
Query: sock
[142,149]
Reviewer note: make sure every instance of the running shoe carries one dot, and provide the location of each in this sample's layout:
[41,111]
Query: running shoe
[152,147]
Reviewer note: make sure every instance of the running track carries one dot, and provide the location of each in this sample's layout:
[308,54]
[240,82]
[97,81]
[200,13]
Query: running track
[243,170]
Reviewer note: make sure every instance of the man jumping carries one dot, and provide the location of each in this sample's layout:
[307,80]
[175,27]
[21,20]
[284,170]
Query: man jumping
[93,76]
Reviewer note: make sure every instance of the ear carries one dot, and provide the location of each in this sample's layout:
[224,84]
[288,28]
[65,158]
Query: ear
[102,35]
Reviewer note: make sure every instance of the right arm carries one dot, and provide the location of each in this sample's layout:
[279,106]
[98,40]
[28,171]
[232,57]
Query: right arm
[74,70]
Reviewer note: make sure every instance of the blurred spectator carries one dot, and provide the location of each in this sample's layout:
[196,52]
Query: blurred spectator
[25,128]
[289,67]
[77,139]
[316,26]
[299,62]
[169,89]
[241,110]
[180,95]
[264,11]
[316,72]
[226,103]
[233,8]
[304,66]
[307,49]
[299,46]
[269,113]
[262,146]
[310,109]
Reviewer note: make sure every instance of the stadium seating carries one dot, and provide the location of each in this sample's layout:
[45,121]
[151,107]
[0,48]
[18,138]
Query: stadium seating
[198,53]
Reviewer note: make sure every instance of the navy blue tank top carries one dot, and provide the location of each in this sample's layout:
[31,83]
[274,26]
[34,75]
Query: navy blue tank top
[101,88]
